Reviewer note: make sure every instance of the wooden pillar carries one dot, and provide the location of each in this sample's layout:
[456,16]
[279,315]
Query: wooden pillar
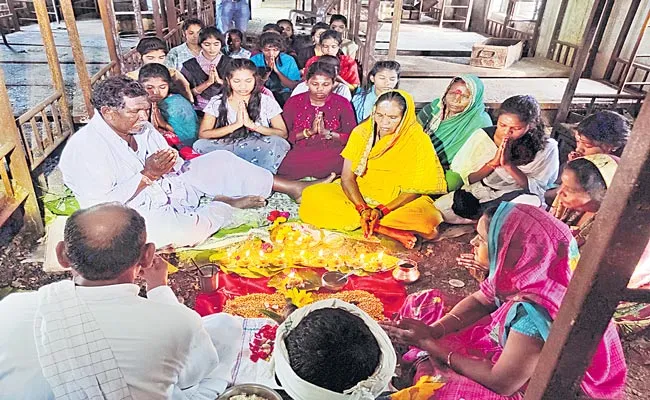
[52,57]
[18,161]
[12,9]
[580,60]
[77,54]
[371,34]
[540,14]
[598,39]
[107,13]
[558,27]
[353,29]
[157,18]
[137,15]
[394,29]
[619,237]
[622,37]
[172,19]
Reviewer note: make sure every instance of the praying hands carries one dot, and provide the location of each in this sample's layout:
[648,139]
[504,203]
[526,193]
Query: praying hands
[159,163]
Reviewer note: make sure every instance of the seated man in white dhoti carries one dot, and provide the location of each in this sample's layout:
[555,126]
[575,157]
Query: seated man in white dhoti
[119,156]
[93,337]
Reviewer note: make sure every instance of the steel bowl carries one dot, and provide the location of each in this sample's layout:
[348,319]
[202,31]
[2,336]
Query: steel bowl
[250,388]
[334,280]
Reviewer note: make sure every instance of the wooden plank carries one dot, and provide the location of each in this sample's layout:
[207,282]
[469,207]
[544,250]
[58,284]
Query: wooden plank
[580,60]
[622,37]
[157,18]
[620,235]
[107,15]
[137,15]
[602,25]
[394,29]
[371,33]
[78,54]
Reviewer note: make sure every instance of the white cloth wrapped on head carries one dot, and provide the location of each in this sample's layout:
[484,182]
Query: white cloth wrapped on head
[300,389]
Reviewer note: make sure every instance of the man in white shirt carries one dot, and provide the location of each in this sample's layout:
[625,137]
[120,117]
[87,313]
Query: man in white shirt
[119,156]
[93,335]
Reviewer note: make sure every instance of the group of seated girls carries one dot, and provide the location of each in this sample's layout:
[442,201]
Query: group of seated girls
[448,162]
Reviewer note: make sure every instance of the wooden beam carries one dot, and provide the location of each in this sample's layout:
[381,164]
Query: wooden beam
[157,18]
[40,8]
[533,43]
[137,15]
[172,19]
[371,34]
[628,72]
[107,14]
[78,54]
[580,60]
[394,29]
[602,25]
[558,27]
[18,161]
[622,37]
[619,237]
[14,16]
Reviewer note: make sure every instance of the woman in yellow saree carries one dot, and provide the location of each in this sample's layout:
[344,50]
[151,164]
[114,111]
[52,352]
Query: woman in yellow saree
[390,166]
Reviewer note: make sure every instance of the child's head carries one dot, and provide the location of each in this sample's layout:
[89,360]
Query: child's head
[211,41]
[272,28]
[287,28]
[603,132]
[152,50]
[317,30]
[234,37]
[330,42]
[339,23]
[156,80]
[191,29]
[385,75]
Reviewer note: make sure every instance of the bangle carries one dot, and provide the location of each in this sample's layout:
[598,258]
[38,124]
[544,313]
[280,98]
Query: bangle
[449,359]
[306,133]
[361,208]
[383,210]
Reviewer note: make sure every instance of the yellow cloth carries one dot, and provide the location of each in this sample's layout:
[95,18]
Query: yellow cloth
[404,162]
[425,387]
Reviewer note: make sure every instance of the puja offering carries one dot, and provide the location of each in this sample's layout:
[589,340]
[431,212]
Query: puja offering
[261,347]
[334,280]
[407,272]
[457,283]
[208,278]
[293,246]
[252,305]
[250,391]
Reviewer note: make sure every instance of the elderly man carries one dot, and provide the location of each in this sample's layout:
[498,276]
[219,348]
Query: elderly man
[93,336]
[119,156]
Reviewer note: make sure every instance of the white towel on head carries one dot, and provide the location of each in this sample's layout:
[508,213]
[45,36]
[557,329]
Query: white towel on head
[75,357]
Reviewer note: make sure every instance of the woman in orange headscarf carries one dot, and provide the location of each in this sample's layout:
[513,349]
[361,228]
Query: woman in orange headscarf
[390,166]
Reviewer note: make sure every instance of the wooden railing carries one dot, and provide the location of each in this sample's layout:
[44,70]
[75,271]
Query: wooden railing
[639,73]
[207,14]
[43,128]
[494,28]
[174,37]
[131,61]
[105,72]
[563,52]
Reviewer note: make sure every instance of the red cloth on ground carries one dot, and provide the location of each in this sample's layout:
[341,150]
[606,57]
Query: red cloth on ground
[316,156]
[390,292]
[186,152]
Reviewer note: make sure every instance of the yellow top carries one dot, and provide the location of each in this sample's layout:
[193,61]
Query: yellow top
[404,162]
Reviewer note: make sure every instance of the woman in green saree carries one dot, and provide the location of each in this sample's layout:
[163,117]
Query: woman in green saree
[451,120]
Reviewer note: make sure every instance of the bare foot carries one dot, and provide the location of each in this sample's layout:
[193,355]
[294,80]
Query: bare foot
[432,236]
[406,238]
[294,188]
[243,202]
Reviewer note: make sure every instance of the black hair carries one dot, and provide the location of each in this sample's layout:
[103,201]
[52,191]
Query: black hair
[211,32]
[605,127]
[331,34]
[318,26]
[339,17]
[589,177]
[527,109]
[98,257]
[148,44]
[154,70]
[192,21]
[333,349]
[378,67]
[272,27]
[393,96]
[274,40]
[465,204]
[321,68]
[111,92]
[284,21]
[331,60]
[254,103]
[488,213]
[236,32]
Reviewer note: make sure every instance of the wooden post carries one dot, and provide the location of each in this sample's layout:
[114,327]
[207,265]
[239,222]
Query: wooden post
[598,39]
[394,29]
[353,29]
[77,54]
[619,237]
[157,18]
[622,37]
[14,16]
[371,33]
[137,15]
[107,14]
[52,58]
[18,161]
[172,19]
[580,60]
[557,28]
[533,45]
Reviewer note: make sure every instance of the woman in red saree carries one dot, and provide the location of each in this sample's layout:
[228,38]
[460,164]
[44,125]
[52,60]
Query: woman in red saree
[319,123]
[527,256]
[330,43]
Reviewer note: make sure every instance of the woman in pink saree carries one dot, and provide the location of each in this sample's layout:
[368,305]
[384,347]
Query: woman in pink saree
[488,345]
